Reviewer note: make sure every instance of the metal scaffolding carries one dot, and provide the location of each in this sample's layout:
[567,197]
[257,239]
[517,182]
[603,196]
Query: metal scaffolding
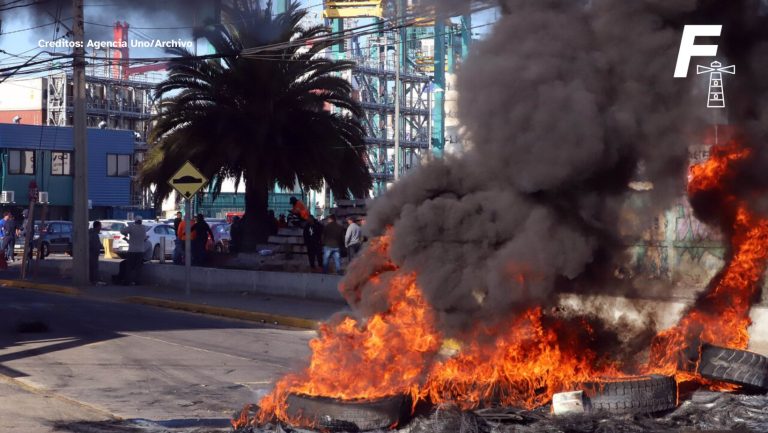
[110,103]
[425,51]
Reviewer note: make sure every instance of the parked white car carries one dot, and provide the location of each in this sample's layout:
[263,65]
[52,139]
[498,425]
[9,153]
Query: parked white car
[152,248]
[110,229]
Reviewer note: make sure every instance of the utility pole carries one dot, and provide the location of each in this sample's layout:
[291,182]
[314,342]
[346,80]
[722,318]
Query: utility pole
[80,187]
[397,92]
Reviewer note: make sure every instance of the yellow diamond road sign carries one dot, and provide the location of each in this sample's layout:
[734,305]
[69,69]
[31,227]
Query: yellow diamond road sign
[188,180]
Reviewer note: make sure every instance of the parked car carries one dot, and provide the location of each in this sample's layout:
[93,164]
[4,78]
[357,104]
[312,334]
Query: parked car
[50,237]
[110,229]
[221,237]
[154,232]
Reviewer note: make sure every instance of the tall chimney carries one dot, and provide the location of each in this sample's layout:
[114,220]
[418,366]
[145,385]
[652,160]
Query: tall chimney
[120,55]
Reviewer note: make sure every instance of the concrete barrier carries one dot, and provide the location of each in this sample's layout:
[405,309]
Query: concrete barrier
[298,285]
[621,312]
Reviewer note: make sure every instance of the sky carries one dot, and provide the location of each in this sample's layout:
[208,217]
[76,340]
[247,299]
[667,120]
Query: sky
[23,29]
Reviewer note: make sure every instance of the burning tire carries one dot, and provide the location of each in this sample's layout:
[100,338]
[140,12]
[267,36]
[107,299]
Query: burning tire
[734,366]
[347,415]
[644,394]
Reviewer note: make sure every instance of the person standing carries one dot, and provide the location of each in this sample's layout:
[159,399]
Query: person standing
[353,239]
[333,240]
[3,222]
[181,234]
[235,235]
[202,232]
[313,238]
[10,230]
[137,237]
[178,248]
[94,249]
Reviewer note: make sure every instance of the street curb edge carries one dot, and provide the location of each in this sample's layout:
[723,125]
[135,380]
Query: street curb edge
[233,313]
[52,288]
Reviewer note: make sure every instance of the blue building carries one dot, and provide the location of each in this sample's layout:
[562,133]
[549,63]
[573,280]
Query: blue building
[45,154]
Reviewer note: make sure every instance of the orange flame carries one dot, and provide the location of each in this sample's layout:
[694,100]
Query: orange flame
[385,355]
[720,317]
[520,363]
[527,358]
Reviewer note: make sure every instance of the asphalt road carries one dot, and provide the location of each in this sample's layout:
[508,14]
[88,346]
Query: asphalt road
[94,360]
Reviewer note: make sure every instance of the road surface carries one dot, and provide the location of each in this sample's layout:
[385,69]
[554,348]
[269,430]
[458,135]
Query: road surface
[65,360]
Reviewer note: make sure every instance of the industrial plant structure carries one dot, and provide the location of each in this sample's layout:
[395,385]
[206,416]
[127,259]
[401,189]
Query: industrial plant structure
[405,58]
[117,97]
[400,73]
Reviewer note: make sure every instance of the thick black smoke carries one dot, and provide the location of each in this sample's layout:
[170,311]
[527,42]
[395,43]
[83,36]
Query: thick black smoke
[162,20]
[562,102]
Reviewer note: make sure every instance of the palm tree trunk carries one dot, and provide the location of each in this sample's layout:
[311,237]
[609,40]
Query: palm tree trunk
[256,227]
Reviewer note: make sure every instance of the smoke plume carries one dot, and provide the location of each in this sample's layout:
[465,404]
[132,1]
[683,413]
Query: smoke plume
[565,103]
[158,20]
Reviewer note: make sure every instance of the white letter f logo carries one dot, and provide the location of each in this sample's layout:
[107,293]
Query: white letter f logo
[689,49]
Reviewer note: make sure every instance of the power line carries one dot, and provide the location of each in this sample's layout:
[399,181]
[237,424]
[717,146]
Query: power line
[261,52]
[12,5]
[305,8]
[410,19]
[28,28]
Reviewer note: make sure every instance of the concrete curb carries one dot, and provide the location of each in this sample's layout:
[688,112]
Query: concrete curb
[52,288]
[232,313]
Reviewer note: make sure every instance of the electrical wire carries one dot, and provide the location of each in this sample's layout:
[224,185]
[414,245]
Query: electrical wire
[411,19]
[12,5]
[28,28]
[255,52]
[101,62]
[303,8]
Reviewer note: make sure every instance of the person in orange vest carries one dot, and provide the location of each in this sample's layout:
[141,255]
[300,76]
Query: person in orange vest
[181,235]
[298,215]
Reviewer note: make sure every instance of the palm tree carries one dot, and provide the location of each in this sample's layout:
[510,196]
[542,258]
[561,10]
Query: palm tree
[260,118]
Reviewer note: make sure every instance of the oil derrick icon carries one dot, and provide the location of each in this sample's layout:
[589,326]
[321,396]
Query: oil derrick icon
[716,95]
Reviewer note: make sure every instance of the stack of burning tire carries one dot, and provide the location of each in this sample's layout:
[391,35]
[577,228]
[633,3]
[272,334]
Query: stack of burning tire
[636,395]
[328,414]
[657,393]
[739,367]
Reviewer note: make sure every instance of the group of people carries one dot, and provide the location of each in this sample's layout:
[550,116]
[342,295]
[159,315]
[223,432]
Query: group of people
[324,242]
[130,269]
[327,241]
[199,234]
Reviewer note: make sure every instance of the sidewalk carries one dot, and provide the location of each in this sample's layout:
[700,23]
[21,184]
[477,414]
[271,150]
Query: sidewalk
[279,310]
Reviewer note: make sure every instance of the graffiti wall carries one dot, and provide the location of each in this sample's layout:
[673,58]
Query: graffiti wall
[671,247]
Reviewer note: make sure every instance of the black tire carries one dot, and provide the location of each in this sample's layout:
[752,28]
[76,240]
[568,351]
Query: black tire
[156,253]
[350,416]
[45,250]
[644,394]
[734,366]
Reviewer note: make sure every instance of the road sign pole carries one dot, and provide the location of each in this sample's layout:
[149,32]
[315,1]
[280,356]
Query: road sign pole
[187,247]
[187,181]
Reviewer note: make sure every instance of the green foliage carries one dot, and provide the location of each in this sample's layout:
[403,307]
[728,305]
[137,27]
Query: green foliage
[259,118]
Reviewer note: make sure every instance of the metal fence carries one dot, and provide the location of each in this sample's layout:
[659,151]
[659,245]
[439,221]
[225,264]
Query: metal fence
[230,202]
